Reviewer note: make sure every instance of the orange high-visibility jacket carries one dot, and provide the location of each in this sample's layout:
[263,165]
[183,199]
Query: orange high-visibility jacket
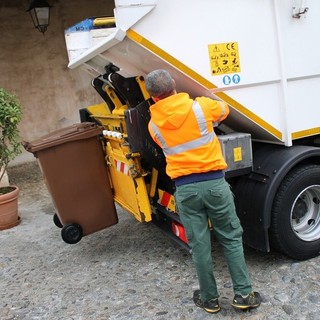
[183,128]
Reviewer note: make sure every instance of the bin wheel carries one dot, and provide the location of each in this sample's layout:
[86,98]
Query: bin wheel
[71,233]
[57,221]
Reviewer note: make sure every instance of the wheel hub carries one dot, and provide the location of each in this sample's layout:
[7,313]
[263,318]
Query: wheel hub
[305,214]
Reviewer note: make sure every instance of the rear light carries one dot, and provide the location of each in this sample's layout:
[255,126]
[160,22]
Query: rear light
[179,231]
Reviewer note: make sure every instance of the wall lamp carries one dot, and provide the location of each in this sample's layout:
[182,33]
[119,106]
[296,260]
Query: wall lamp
[40,14]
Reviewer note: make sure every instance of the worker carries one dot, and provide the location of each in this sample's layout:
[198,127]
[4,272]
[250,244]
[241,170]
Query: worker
[183,128]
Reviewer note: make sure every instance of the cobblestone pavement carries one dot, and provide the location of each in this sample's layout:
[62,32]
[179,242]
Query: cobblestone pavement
[129,271]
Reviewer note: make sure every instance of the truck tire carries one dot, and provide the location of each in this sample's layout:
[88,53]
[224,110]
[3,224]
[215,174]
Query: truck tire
[295,225]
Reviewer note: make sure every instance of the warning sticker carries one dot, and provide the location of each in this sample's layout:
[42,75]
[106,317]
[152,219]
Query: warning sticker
[237,154]
[224,58]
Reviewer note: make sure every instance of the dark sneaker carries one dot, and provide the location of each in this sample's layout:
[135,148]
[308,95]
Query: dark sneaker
[211,306]
[252,300]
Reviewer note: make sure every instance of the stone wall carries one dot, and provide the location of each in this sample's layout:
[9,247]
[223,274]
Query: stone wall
[34,66]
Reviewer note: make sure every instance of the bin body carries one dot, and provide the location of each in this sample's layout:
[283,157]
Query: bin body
[74,169]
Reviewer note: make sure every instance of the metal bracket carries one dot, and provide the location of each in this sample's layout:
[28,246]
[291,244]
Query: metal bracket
[298,11]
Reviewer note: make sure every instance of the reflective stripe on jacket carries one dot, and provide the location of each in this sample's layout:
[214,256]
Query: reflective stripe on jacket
[183,128]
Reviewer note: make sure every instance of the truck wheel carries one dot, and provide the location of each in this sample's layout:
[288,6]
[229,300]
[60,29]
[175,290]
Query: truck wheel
[295,225]
[57,221]
[71,233]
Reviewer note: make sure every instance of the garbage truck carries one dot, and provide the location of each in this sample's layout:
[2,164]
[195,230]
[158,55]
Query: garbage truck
[260,57]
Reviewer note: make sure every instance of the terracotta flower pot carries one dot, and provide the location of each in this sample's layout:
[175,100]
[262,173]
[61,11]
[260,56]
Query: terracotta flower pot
[9,208]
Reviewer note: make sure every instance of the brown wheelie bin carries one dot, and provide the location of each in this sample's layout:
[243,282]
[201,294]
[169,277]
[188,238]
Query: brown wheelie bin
[75,172]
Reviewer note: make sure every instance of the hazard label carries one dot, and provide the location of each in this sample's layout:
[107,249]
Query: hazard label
[224,58]
[167,200]
[122,167]
[237,154]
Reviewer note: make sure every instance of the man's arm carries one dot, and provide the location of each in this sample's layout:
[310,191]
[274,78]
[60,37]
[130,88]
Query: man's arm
[215,110]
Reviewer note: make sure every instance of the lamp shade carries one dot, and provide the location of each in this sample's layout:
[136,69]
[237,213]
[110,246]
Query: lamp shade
[40,13]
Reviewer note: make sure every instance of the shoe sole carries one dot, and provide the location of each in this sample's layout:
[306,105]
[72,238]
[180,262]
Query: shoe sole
[211,310]
[245,307]
[207,309]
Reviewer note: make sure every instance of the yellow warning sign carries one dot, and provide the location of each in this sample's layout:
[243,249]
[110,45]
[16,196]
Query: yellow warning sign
[237,154]
[224,58]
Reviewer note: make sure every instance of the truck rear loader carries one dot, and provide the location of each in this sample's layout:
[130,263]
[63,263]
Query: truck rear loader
[262,58]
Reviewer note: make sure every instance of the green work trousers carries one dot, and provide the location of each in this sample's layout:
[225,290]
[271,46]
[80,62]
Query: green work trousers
[197,203]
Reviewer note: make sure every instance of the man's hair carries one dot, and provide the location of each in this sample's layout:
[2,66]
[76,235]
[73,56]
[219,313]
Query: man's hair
[159,84]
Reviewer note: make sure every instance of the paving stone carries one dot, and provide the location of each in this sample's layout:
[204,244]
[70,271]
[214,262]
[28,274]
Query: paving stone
[129,271]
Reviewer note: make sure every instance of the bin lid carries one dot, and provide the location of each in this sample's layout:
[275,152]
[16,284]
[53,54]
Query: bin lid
[77,131]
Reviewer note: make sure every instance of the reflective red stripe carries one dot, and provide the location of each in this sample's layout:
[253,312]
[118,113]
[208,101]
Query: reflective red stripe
[165,199]
[122,167]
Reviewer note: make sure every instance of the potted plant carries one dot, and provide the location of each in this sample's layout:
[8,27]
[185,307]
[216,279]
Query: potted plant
[10,147]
